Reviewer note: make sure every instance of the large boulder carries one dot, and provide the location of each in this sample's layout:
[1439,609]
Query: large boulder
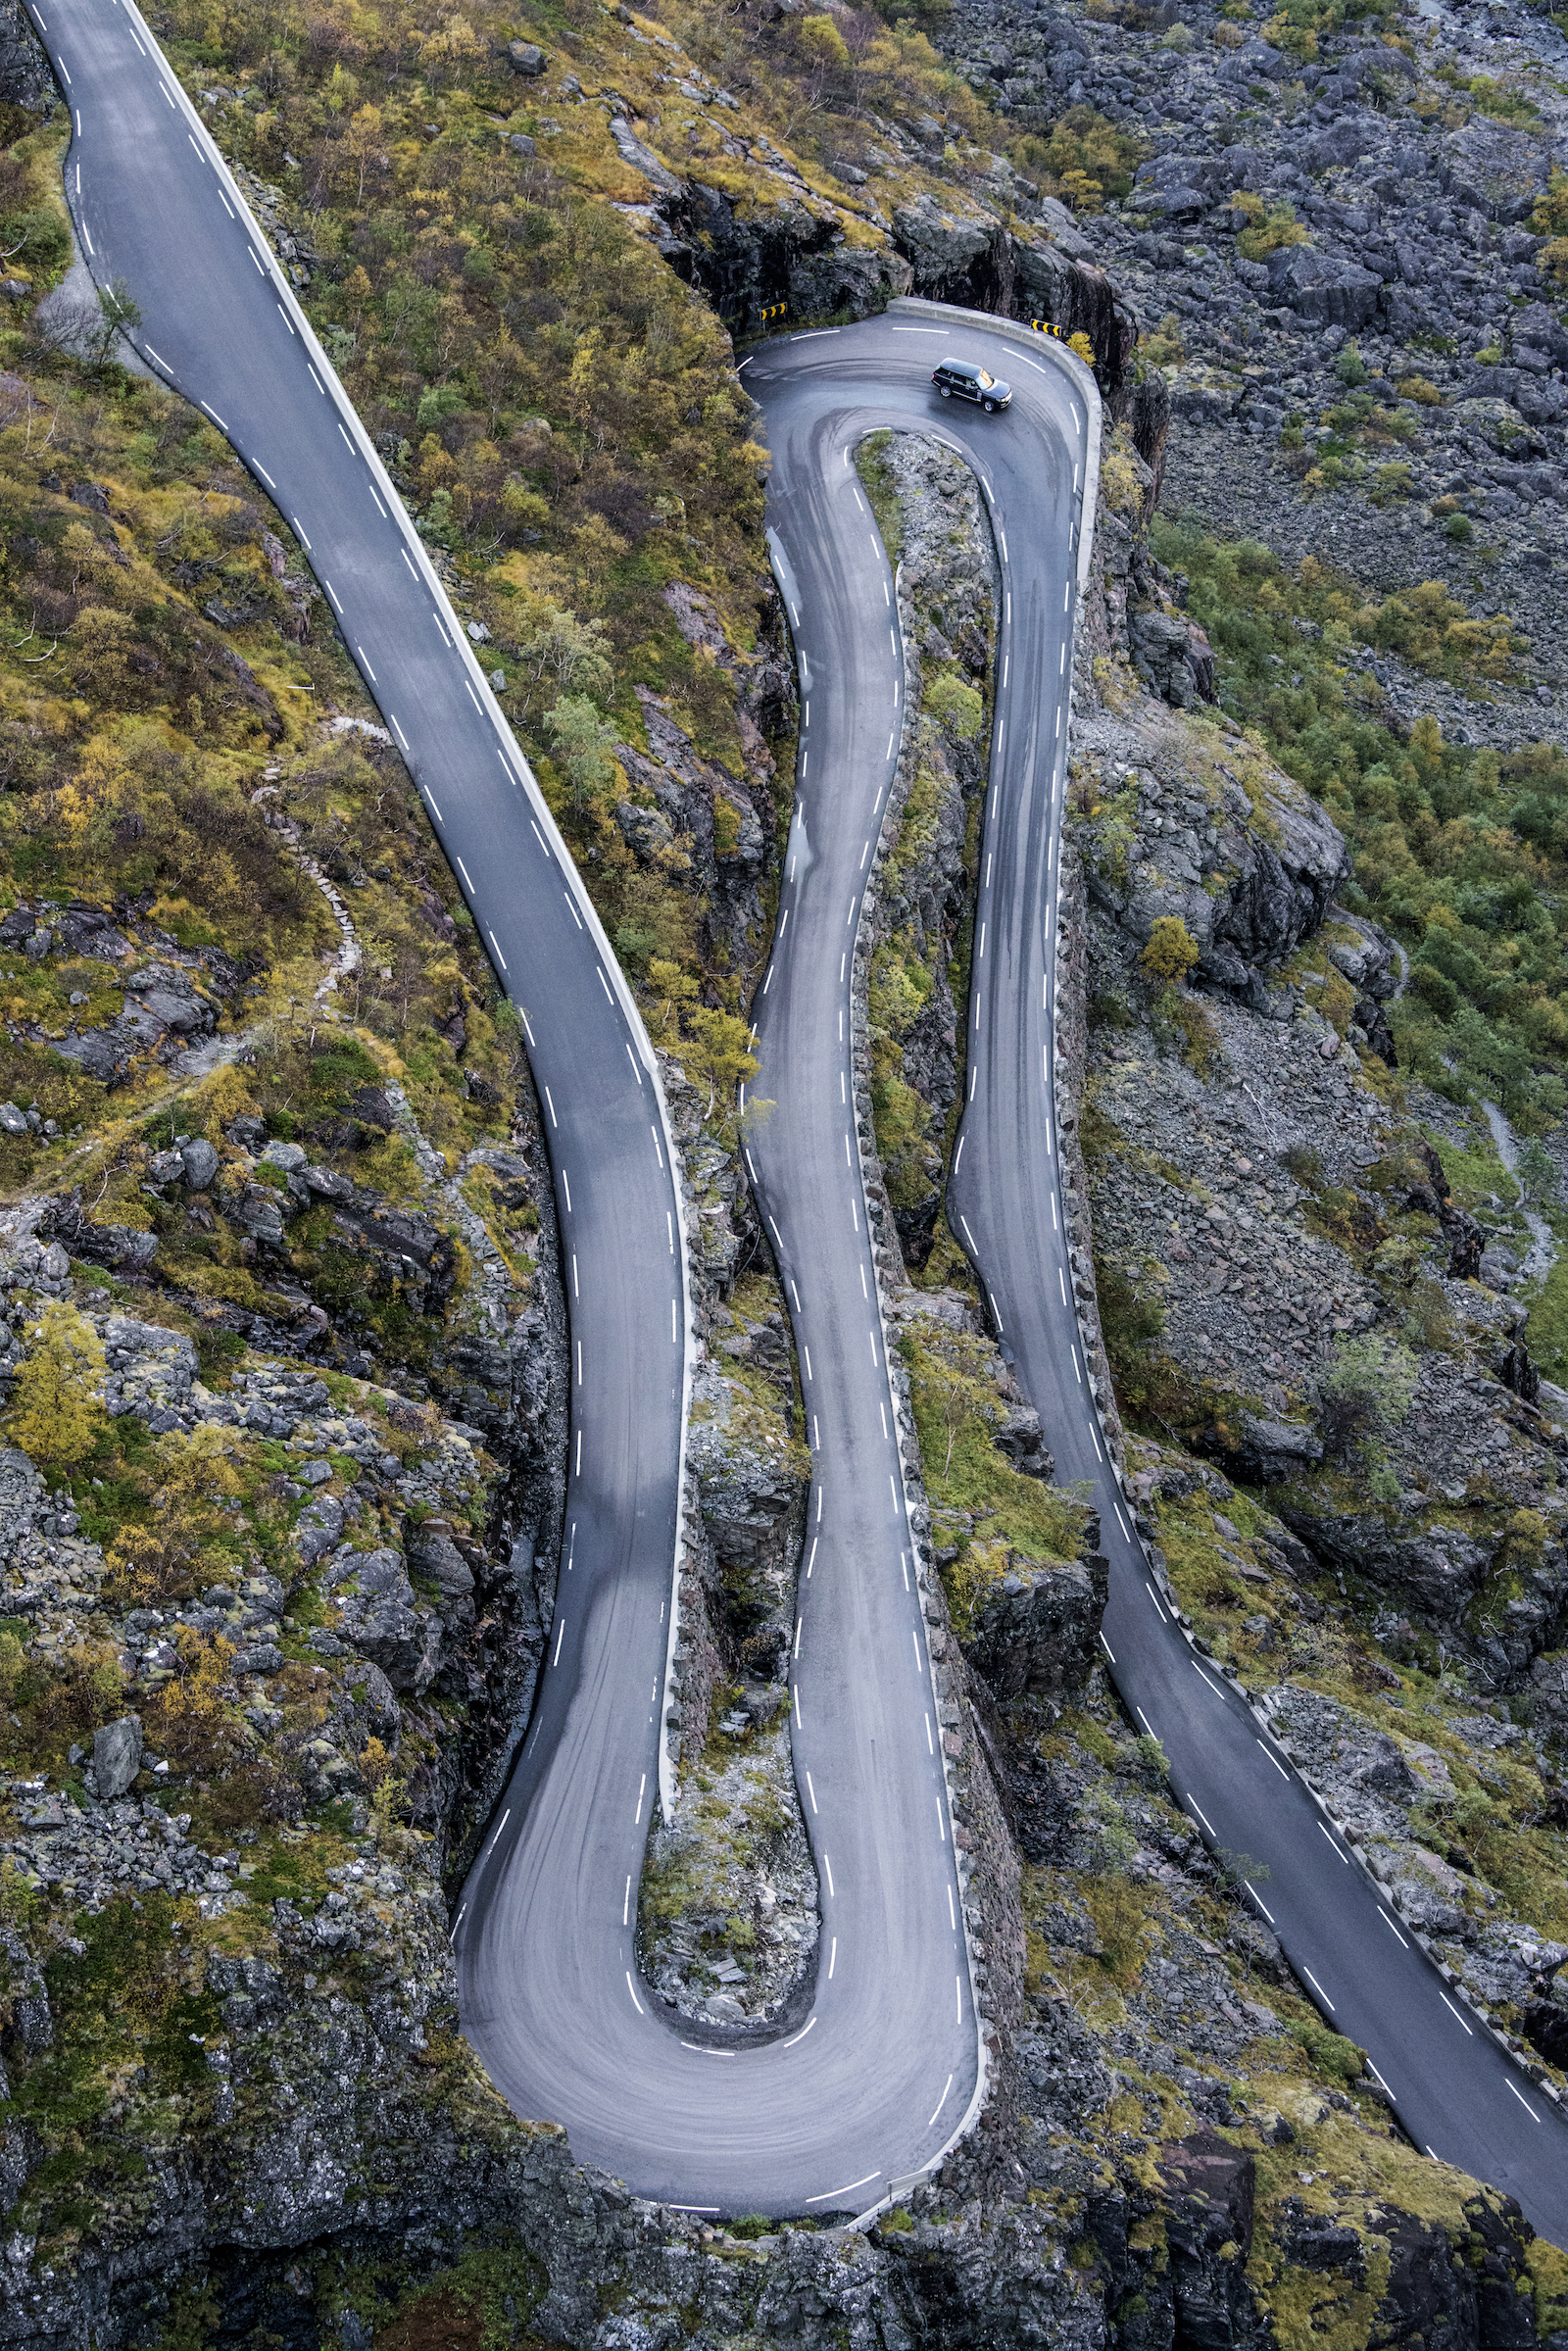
[1492,169]
[317,1528]
[1546,2030]
[1062,229]
[1323,289]
[1536,328]
[434,1557]
[1365,1774]
[1208,395]
[116,1756]
[1181,186]
[200,1161]
[1055,281]
[1265,1453]
[941,247]
[1033,1632]
[1498,423]
[1022,1439]
[1340,142]
[1363,954]
[1174,200]
[377,1615]
[1542,400]
[1173,657]
[1436,1569]
[1254,61]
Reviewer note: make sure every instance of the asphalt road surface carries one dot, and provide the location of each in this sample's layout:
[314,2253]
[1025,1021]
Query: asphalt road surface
[868,2089]
[1455,2091]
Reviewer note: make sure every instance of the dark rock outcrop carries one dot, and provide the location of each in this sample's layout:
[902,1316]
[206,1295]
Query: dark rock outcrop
[1492,167]
[1439,1573]
[968,258]
[1208,2228]
[1035,1634]
[1323,289]
[1249,881]
[1174,658]
[1518,1374]
[794,253]
[1460,1228]
[378,1615]
[1265,1451]
[1545,2028]
[118,1246]
[24,77]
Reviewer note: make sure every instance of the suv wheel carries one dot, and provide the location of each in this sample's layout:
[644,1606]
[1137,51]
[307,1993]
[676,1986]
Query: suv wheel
[989,406]
[945,391]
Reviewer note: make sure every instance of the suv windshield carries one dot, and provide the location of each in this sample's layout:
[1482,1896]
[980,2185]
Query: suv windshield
[982,378]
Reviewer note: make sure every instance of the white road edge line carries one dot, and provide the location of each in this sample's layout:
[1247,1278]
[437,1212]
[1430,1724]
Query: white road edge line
[1318,1989]
[829,2194]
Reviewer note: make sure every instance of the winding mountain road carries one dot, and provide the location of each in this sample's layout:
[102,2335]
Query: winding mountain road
[872,2084]
[874,2080]
[155,206]
[1455,2091]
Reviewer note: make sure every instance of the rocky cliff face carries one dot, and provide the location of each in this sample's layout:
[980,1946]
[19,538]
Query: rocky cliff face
[1299,1281]
[1258,1146]
[990,241]
[1191,823]
[1162,2159]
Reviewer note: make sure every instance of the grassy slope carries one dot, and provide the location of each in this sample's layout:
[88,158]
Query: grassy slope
[1464,856]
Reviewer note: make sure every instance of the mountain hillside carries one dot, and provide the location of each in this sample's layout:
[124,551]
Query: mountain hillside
[283,1354]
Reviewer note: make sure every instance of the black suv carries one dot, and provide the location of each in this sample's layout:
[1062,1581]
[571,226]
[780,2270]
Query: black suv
[959,380]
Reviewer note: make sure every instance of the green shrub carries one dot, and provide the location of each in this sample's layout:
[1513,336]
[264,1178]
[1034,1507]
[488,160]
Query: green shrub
[956,706]
[38,239]
[1266,231]
[1330,2052]
[1084,160]
[1389,483]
